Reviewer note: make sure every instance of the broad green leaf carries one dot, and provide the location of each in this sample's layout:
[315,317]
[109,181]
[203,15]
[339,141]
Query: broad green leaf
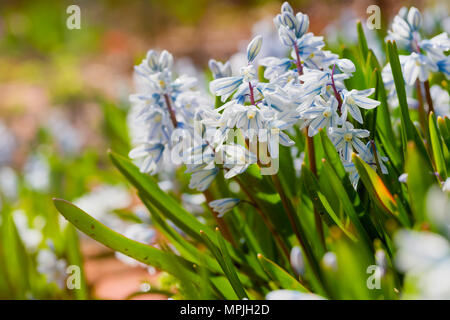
[117,242]
[167,205]
[187,249]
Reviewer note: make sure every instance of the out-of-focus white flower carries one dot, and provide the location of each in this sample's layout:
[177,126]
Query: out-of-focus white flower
[31,237]
[101,201]
[37,173]
[69,139]
[441,101]
[403,178]
[7,144]
[53,268]
[438,207]
[297,261]
[8,183]
[193,203]
[424,257]
[292,295]
[329,260]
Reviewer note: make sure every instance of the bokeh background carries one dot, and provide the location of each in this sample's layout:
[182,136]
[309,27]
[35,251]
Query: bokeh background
[64,100]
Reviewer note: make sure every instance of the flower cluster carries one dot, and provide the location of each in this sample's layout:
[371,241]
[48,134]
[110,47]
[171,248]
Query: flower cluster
[304,89]
[426,55]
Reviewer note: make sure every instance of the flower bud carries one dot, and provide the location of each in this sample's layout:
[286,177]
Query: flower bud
[414,18]
[165,60]
[152,60]
[287,36]
[286,7]
[253,48]
[346,65]
[289,20]
[297,262]
[302,24]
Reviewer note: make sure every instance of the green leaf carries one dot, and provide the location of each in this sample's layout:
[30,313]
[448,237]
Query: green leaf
[231,270]
[335,184]
[420,179]
[436,146]
[117,242]
[445,131]
[375,186]
[362,40]
[167,205]
[280,276]
[333,215]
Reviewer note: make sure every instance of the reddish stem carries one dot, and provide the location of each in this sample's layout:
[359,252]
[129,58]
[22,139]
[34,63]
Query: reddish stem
[173,118]
[336,93]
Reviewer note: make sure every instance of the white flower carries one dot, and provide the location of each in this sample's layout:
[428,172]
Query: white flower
[424,257]
[201,179]
[355,99]
[104,199]
[346,65]
[151,156]
[31,237]
[237,159]
[441,101]
[414,18]
[323,114]
[346,138]
[224,205]
[219,69]
[417,66]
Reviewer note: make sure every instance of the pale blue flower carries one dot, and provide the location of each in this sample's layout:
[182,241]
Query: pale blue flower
[222,206]
[355,99]
[347,138]
[237,159]
[202,179]
[150,156]
[253,48]
[322,114]
[417,66]
[441,101]
[219,69]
